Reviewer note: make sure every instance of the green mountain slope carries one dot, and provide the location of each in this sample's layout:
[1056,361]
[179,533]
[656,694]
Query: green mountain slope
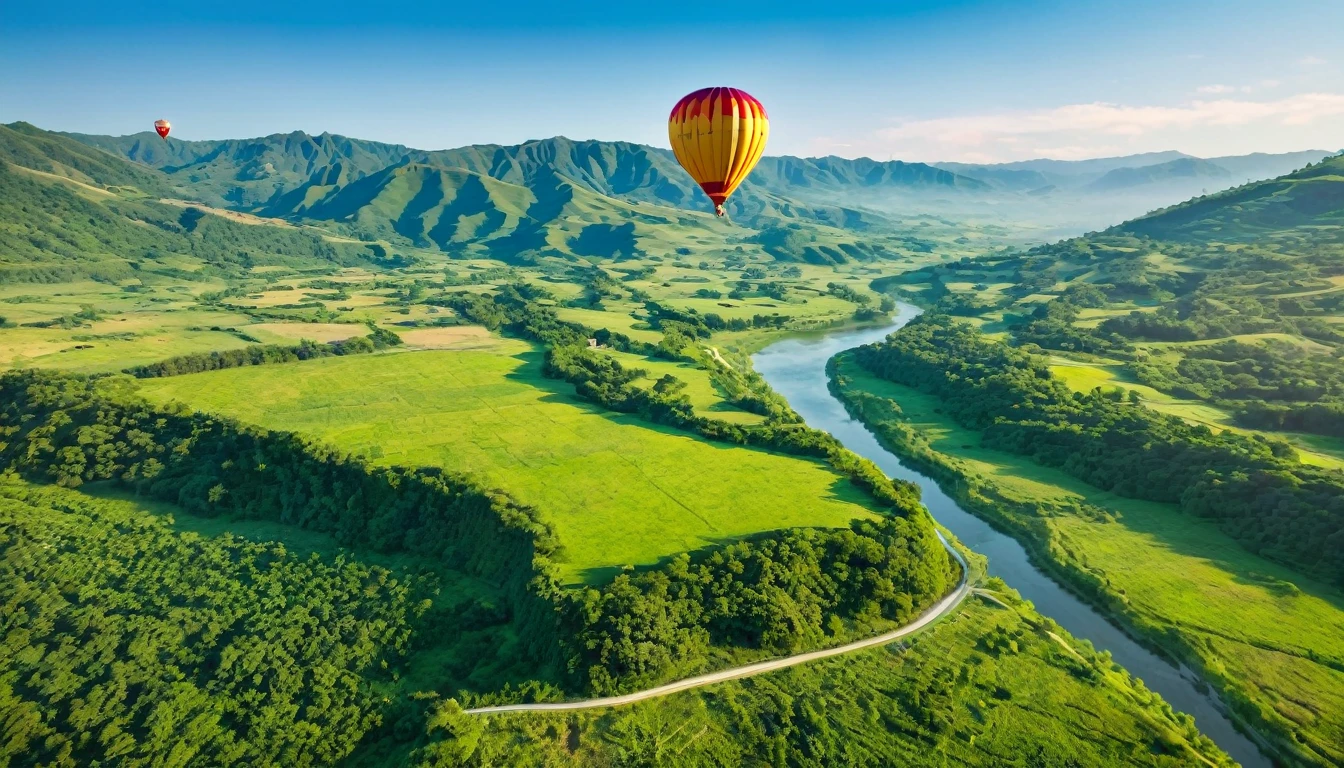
[248,172]
[71,212]
[31,147]
[269,170]
[1312,196]
[450,209]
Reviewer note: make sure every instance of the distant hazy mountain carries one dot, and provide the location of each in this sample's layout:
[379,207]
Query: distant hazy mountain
[1259,165]
[1182,170]
[1028,175]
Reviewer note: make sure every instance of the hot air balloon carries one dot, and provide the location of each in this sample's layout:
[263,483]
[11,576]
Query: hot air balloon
[163,127]
[718,135]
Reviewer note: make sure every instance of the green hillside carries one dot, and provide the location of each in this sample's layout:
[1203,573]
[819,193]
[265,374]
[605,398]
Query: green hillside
[25,145]
[58,229]
[1226,307]
[249,172]
[1313,196]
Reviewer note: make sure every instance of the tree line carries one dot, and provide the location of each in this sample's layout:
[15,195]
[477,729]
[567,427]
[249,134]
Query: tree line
[267,354]
[69,430]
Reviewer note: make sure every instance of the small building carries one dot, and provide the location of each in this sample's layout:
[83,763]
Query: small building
[592,344]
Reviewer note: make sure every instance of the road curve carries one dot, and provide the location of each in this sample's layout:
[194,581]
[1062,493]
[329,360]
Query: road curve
[935,612]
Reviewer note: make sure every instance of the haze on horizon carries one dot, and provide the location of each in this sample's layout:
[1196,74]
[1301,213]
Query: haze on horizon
[918,81]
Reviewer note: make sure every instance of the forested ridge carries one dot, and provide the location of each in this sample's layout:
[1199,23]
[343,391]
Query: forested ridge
[1253,487]
[781,592]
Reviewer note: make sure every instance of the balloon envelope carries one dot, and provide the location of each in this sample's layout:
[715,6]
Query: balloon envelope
[162,127]
[718,135]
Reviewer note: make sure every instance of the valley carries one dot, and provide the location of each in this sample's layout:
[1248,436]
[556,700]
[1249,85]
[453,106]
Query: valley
[513,388]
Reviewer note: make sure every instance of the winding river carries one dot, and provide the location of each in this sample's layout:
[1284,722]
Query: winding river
[796,368]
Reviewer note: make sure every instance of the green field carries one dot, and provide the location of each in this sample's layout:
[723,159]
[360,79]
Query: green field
[1268,633]
[619,491]
[705,395]
[1318,450]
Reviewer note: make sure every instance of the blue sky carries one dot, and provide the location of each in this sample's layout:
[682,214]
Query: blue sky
[974,81]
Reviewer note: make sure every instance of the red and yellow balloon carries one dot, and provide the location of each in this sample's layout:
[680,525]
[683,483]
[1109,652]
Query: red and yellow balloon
[162,127]
[718,135]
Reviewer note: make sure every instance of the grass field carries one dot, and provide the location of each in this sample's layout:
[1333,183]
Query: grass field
[1081,376]
[707,398]
[1278,636]
[618,490]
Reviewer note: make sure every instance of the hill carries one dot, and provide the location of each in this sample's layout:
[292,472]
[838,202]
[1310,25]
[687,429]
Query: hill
[68,212]
[1313,196]
[450,208]
[1229,303]
[26,145]
[248,172]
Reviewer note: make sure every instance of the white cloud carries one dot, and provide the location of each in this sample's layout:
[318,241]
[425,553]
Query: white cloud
[1215,89]
[1311,61]
[1203,127]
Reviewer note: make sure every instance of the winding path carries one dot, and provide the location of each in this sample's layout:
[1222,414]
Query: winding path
[937,611]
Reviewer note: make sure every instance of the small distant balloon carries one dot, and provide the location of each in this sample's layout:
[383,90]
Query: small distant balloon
[162,127]
[718,135]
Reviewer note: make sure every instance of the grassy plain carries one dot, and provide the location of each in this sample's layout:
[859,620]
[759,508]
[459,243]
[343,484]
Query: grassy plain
[1267,632]
[618,490]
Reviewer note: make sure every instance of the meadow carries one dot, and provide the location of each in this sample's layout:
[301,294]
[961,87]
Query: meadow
[619,491]
[1259,629]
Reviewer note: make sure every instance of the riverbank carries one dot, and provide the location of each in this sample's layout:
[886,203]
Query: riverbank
[1189,602]
[796,370]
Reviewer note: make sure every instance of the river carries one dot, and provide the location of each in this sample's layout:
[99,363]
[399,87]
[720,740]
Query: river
[796,369]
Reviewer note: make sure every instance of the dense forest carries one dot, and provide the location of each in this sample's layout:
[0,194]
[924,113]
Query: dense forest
[1255,488]
[781,592]
[126,643]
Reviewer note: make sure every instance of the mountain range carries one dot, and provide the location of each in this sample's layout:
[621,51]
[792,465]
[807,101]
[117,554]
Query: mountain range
[1109,174]
[569,199]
